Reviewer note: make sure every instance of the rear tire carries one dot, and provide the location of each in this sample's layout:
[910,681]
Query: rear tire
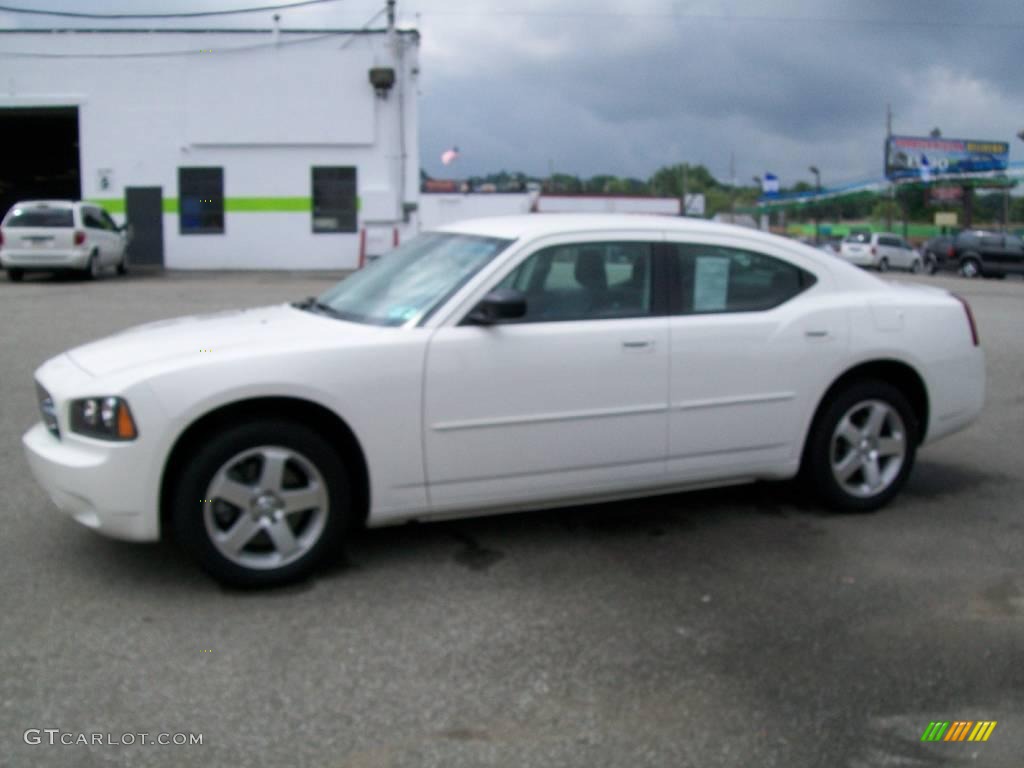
[92,269]
[122,266]
[281,501]
[861,447]
[970,268]
[915,267]
[883,265]
[15,275]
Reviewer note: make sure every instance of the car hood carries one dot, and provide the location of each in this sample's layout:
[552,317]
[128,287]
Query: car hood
[262,330]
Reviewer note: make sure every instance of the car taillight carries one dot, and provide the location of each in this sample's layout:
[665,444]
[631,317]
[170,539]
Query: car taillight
[1,237]
[79,237]
[970,318]
[874,251]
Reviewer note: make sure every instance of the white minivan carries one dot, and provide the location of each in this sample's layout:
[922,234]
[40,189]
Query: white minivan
[879,250]
[60,235]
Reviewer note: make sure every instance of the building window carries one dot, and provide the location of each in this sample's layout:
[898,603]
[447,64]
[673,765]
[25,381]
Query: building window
[201,201]
[334,199]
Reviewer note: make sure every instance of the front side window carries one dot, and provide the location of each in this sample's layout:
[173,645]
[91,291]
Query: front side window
[413,280]
[334,199]
[585,281]
[711,278]
[201,201]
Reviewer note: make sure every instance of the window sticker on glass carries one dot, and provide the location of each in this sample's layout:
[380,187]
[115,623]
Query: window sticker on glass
[710,283]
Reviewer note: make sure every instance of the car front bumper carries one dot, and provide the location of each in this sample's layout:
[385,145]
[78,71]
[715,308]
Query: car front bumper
[111,487]
[92,483]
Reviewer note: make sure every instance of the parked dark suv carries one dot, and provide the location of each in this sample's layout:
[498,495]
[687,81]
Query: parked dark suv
[977,253]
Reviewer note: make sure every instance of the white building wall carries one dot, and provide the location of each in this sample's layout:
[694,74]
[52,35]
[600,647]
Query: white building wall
[438,209]
[264,112]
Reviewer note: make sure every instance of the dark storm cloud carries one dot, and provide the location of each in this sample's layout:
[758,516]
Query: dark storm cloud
[628,94]
[597,86]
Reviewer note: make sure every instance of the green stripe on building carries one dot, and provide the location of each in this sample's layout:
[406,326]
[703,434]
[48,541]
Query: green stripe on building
[231,204]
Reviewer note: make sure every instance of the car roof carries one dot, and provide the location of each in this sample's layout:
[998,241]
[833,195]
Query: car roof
[45,203]
[532,225]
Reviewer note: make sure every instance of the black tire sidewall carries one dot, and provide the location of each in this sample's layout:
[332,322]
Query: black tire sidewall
[816,463]
[187,511]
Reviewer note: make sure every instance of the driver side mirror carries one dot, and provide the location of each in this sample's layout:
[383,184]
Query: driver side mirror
[497,306]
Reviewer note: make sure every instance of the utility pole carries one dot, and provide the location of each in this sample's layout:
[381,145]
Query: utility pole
[817,204]
[732,186]
[682,197]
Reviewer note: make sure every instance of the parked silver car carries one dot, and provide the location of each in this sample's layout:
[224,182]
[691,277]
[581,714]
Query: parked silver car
[879,250]
[58,235]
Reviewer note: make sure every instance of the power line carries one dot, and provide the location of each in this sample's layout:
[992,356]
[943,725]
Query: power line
[189,15]
[729,17]
[159,54]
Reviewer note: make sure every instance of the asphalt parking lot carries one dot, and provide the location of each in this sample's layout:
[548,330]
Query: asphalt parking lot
[738,627]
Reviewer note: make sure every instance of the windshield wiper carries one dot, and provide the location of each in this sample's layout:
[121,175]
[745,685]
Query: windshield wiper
[312,303]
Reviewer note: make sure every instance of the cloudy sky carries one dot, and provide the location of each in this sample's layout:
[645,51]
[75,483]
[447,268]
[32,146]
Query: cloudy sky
[588,86]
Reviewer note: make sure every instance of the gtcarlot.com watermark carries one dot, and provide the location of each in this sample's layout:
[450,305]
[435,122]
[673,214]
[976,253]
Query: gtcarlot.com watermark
[56,737]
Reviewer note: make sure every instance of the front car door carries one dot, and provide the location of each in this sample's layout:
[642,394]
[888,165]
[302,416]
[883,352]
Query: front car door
[568,402]
[752,345]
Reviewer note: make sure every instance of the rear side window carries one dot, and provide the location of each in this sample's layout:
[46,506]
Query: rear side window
[710,279]
[40,217]
[92,219]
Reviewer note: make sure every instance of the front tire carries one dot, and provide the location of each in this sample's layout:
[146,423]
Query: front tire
[262,504]
[14,275]
[122,266]
[862,446]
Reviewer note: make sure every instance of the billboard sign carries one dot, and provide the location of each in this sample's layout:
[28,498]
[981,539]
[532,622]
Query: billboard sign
[920,158]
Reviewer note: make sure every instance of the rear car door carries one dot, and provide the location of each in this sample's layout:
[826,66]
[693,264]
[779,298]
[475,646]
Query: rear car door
[567,402]
[752,344]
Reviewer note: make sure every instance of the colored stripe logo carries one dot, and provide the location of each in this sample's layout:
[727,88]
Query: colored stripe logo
[959,730]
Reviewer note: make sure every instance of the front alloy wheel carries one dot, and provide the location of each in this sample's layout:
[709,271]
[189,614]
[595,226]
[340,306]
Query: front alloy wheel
[262,503]
[265,507]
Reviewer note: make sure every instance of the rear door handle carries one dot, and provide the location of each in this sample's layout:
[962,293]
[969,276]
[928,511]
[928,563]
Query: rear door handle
[816,334]
[639,344]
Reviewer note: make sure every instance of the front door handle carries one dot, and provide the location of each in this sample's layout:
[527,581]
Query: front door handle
[639,344]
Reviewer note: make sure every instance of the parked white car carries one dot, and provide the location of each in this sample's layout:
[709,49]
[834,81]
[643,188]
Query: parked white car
[58,235]
[880,250]
[499,365]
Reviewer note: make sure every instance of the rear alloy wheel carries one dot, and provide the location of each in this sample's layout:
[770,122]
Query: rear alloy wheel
[862,447]
[970,268]
[15,275]
[262,504]
[883,265]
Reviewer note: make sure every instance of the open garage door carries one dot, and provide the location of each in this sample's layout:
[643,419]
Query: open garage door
[42,158]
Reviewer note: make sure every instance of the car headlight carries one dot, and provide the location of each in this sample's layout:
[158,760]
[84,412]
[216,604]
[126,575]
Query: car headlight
[47,410]
[107,418]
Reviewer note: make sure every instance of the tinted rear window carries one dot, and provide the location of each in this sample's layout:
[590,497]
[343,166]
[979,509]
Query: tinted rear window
[40,217]
[857,237]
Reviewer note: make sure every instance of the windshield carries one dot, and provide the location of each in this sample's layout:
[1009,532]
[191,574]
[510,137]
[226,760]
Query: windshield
[412,280]
[43,216]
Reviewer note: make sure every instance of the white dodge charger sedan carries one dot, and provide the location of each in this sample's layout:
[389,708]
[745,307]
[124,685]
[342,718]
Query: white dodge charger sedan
[499,365]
